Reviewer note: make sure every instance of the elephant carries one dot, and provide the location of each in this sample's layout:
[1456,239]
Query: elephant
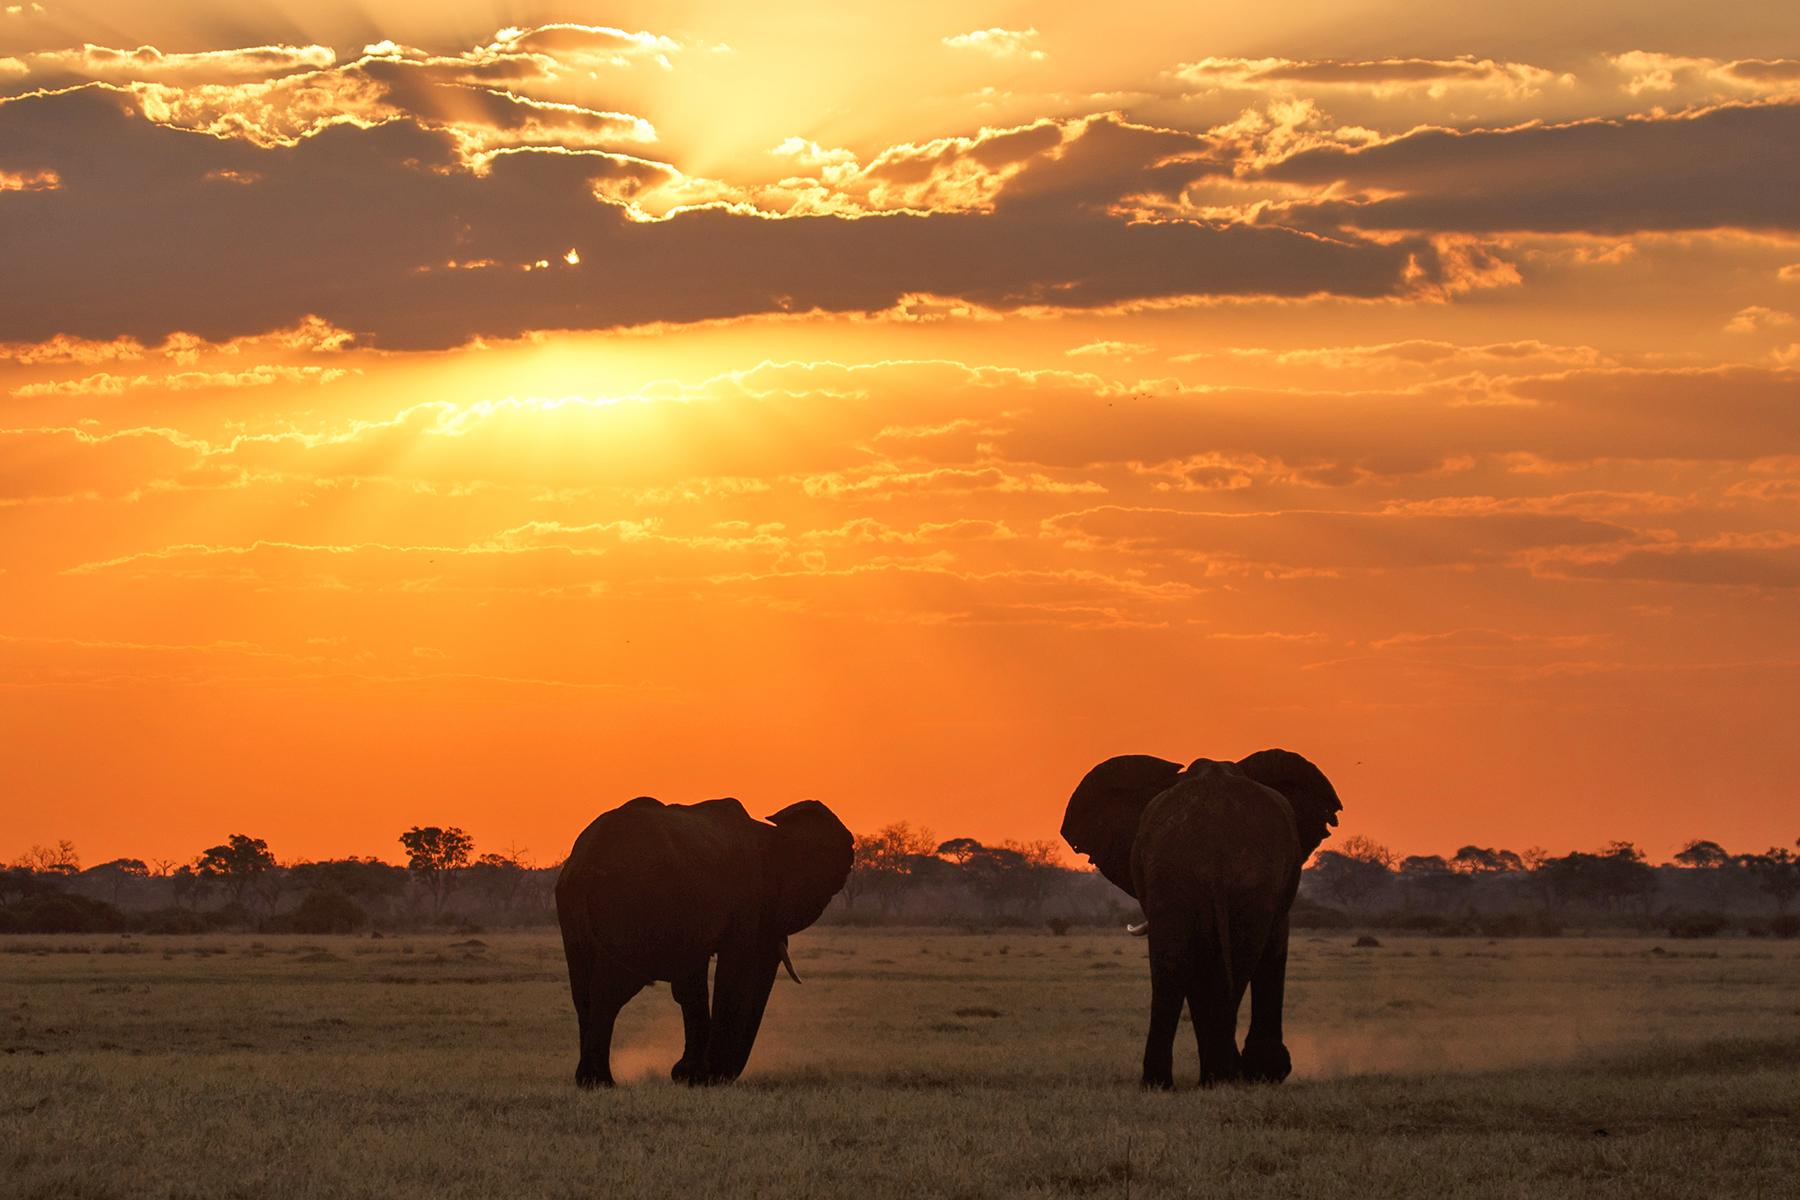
[1212,852]
[652,891]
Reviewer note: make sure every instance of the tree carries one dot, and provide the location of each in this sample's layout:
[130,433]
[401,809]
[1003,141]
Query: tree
[237,864]
[1364,848]
[1701,856]
[436,858]
[22,883]
[1709,865]
[190,886]
[885,864]
[1432,879]
[1777,873]
[364,878]
[1475,860]
[117,873]
[498,877]
[1354,871]
[62,860]
[1611,876]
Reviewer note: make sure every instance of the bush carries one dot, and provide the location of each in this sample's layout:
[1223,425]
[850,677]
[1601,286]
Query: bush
[321,912]
[1060,926]
[63,912]
[10,922]
[1787,925]
[1310,914]
[1698,925]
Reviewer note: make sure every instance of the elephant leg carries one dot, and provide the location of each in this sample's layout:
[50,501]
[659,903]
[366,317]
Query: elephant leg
[1170,975]
[609,987]
[696,1021]
[1266,1058]
[1213,999]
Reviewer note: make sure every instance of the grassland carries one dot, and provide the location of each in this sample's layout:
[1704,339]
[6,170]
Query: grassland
[911,1063]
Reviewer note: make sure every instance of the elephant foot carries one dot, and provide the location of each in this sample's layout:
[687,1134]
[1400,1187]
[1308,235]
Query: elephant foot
[591,1079]
[687,1072]
[1266,1062]
[1157,1083]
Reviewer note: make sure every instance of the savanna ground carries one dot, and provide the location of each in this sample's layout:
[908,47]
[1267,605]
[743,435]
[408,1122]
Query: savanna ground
[912,1063]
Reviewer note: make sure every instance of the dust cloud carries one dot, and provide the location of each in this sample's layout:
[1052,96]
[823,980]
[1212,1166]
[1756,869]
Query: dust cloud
[654,1041]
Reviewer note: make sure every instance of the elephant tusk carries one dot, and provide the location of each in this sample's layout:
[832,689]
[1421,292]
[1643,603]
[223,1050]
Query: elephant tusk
[1141,930]
[788,962]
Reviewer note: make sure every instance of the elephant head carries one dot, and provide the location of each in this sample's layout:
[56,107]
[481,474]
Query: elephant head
[809,859]
[1314,801]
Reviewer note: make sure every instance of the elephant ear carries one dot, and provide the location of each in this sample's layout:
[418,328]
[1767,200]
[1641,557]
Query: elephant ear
[809,861]
[1314,801]
[1103,814]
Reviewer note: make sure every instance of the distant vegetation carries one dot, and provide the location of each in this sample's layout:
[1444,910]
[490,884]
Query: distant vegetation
[905,876]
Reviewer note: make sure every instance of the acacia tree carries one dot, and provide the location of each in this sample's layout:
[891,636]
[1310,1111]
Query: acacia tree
[1478,860]
[237,864]
[1707,863]
[436,858]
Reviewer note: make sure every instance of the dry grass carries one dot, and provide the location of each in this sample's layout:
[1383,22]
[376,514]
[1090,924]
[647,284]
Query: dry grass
[909,1064]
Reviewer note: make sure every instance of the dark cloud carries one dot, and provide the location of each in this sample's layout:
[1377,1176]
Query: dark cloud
[1327,541]
[1726,167]
[1771,566]
[153,229]
[1735,413]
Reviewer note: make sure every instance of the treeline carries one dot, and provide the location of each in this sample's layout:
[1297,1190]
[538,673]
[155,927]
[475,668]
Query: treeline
[902,874]
[240,884]
[908,873]
[1703,890]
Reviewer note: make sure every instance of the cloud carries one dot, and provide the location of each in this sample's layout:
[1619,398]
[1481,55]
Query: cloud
[358,225]
[105,384]
[1653,73]
[1716,168]
[1384,77]
[1110,350]
[147,62]
[1755,317]
[1001,43]
[1282,543]
[1768,559]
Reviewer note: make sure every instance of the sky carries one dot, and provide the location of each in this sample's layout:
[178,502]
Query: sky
[479,414]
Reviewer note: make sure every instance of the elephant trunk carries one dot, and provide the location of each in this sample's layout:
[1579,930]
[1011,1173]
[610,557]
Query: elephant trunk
[741,986]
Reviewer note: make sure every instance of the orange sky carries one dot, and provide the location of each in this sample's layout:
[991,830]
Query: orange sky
[481,414]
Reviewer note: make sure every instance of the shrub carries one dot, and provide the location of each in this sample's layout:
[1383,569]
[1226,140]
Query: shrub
[1787,925]
[65,912]
[321,912]
[1698,925]
[1059,926]
[1310,914]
